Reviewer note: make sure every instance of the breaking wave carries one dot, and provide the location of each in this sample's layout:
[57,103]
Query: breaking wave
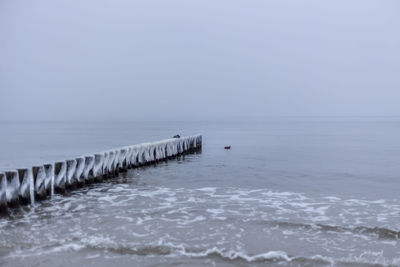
[220,254]
[380,232]
[243,226]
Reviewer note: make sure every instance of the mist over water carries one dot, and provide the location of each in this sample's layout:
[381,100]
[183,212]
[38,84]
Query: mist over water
[78,77]
[125,59]
[311,191]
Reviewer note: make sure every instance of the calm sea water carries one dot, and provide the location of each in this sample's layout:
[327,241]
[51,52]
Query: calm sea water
[291,192]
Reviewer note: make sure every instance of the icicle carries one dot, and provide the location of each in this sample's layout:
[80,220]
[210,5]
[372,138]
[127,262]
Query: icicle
[131,156]
[180,146]
[163,149]
[150,153]
[98,166]
[171,148]
[166,150]
[145,153]
[78,175]
[157,151]
[111,161]
[134,155]
[71,169]
[140,159]
[116,161]
[121,158]
[128,157]
[187,143]
[106,158]
[160,151]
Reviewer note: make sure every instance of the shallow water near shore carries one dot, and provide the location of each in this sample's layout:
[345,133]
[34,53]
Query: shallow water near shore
[290,192]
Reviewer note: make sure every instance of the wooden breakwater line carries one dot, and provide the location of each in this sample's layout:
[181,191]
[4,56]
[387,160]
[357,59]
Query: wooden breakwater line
[24,186]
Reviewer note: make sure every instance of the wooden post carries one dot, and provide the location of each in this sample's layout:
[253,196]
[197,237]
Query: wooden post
[49,169]
[98,167]
[78,175]
[88,170]
[12,192]
[71,169]
[60,171]
[39,177]
[3,193]
[26,185]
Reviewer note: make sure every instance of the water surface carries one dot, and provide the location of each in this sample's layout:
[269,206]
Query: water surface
[291,192]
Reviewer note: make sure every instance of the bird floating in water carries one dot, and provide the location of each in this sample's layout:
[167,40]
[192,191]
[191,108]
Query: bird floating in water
[177,136]
[227,147]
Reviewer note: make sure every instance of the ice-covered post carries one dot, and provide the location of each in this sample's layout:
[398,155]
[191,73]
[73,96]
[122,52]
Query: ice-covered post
[98,167]
[121,160]
[114,168]
[133,156]
[127,163]
[110,163]
[71,169]
[60,170]
[24,185]
[88,170]
[39,178]
[49,169]
[3,196]
[78,175]
[12,191]
[26,190]
[104,168]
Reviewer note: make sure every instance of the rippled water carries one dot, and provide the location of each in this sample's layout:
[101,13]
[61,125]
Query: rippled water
[291,192]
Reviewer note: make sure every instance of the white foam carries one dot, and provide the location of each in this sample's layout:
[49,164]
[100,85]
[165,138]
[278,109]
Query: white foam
[234,255]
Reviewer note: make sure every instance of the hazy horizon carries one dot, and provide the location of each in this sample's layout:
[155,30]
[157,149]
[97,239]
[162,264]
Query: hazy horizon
[199,133]
[127,60]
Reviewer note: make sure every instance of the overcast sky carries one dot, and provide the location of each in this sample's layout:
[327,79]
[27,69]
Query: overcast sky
[203,59]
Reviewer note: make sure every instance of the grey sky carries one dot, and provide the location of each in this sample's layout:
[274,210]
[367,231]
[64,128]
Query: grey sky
[180,59]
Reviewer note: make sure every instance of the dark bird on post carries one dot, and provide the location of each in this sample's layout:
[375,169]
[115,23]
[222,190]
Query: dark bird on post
[227,147]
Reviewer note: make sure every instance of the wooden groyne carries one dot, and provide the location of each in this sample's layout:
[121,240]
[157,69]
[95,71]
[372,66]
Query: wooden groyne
[24,186]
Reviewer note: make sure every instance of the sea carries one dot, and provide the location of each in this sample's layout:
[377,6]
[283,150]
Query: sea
[291,191]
